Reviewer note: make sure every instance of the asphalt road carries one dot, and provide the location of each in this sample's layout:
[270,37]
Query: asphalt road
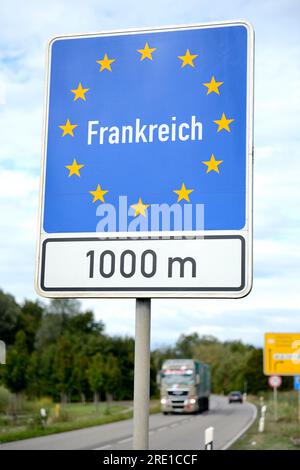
[166,432]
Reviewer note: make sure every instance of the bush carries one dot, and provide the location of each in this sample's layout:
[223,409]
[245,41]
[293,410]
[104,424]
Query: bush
[63,417]
[44,402]
[5,399]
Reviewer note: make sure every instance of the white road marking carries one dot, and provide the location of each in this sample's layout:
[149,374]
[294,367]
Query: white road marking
[125,440]
[162,428]
[108,446]
[253,418]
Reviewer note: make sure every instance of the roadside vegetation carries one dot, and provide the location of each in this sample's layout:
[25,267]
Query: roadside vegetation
[24,420]
[283,434]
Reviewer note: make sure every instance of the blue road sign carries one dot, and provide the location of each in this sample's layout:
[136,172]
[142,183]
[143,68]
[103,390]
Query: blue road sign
[149,132]
[297,382]
[138,120]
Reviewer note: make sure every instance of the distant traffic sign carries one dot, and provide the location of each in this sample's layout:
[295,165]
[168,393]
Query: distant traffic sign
[147,165]
[275,381]
[282,353]
[297,382]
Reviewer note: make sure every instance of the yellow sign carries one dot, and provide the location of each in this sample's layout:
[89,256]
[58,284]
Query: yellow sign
[282,354]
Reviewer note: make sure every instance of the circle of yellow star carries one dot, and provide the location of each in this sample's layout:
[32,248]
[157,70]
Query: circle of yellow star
[213,164]
[183,193]
[213,86]
[80,92]
[74,168]
[68,128]
[187,59]
[98,194]
[140,208]
[147,52]
[223,123]
[105,63]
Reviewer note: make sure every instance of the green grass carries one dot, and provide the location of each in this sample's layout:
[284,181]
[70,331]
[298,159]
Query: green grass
[72,416]
[283,434]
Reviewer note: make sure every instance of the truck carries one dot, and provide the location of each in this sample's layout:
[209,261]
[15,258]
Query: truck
[184,386]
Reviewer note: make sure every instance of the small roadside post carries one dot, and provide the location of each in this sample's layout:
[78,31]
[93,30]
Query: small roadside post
[297,389]
[122,214]
[209,438]
[2,352]
[275,382]
[261,422]
[43,416]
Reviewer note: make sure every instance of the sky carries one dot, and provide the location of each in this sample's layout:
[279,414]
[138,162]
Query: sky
[274,303]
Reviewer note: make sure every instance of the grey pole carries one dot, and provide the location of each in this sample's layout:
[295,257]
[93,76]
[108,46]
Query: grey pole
[141,374]
[299,405]
[275,404]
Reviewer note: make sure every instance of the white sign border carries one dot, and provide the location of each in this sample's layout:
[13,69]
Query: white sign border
[247,232]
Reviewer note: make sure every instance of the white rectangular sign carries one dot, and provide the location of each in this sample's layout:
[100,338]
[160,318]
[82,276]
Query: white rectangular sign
[191,265]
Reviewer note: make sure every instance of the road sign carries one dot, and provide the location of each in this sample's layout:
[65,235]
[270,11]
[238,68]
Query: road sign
[147,164]
[297,382]
[275,381]
[282,353]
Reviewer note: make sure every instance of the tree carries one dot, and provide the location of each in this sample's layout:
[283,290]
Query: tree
[185,345]
[256,381]
[96,376]
[63,368]
[15,375]
[123,349]
[29,321]
[50,330]
[9,314]
[84,323]
[112,376]
[80,380]
[64,307]
[56,320]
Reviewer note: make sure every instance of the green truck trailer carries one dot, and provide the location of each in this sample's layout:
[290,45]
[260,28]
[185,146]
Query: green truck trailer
[184,386]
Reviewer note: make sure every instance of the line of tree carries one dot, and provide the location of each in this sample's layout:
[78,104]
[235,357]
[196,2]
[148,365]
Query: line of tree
[60,351]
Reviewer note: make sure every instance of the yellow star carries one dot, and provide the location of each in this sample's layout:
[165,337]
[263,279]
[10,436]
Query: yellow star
[147,52]
[213,86]
[98,194]
[74,168]
[80,92]
[213,164]
[223,123]
[105,63]
[183,193]
[187,59]
[68,128]
[140,208]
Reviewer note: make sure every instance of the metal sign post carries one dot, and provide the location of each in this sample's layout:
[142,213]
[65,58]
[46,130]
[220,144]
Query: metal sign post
[275,381]
[297,389]
[141,374]
[275,403]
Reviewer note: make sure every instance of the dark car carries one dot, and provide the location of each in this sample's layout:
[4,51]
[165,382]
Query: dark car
[235,397]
